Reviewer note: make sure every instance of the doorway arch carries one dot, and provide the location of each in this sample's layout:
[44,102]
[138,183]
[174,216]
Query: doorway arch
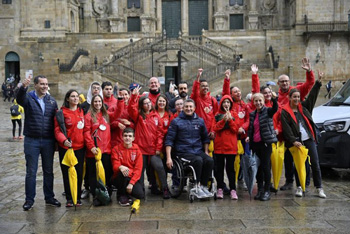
[12,66]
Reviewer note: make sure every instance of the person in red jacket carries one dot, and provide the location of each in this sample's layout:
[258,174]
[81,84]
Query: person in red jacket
[124,121]
[108,98]
[97,126]
[149,137]
[72,138]
[242,111]
[127,165]
[154,90]
[225,126]
[283,99]
[206,105]
[162,107]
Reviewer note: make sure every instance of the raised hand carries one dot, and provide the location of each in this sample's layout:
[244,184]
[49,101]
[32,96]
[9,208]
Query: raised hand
[306,64]
[27,81]
[254,69]
[228,73]
[136,90]
[200,71]
[320,75]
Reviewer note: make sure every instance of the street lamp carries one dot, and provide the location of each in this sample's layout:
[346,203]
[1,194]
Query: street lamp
[132,58]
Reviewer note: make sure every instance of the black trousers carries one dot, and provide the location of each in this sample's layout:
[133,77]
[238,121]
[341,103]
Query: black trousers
[220,160]
[121,182]
[203,166]
[91,165]
[263,177]
[19,121]
[79,154]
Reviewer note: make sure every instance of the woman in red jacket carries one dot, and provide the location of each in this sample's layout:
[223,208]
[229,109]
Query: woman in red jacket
[149,137]
[226,125]
[162,107]
[73,125]
[97,126]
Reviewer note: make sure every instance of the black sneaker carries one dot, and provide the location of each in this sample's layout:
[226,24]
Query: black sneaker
[69,203]
[53,202]
[124,201]
[286,186]
[258,195]
[28,205]
[155,190]
[265,196]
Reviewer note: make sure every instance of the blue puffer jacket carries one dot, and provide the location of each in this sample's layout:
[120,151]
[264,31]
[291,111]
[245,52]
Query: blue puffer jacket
[36,123]
[187,134]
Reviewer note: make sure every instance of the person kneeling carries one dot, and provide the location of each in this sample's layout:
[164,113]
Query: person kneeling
[127,165]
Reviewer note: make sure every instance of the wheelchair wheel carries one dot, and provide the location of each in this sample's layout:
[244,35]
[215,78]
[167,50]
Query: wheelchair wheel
[175,178]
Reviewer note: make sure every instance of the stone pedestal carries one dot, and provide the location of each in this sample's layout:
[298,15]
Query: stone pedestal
[117,24]
[253,20]
[147,24]
[103,25]
[220,21]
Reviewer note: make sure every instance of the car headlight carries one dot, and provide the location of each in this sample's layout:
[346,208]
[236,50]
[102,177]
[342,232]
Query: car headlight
[339,125]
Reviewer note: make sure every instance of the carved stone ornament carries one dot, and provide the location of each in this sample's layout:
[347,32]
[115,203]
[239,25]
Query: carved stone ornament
[269,5]
[100,8]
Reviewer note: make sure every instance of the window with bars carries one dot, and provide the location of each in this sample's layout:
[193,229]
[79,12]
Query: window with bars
[234,2]
[135,3]
[134,24]
[6,1]
[236,21]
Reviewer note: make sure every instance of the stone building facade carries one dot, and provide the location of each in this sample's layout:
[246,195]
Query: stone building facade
[76,41]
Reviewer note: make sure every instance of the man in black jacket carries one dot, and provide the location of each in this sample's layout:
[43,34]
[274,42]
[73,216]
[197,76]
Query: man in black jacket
[40,109]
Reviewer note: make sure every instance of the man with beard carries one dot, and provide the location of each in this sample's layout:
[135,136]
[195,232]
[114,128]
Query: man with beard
[206,105]
[183,94]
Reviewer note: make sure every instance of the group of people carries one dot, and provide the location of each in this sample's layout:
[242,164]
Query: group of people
[137,132]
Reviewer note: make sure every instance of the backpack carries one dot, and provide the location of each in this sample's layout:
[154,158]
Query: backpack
[14,110]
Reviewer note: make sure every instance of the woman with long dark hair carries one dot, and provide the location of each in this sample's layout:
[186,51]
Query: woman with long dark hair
[97,126]
[149,137]
[74,126]
[299,129]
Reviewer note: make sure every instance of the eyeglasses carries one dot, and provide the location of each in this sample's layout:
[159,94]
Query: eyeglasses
[147,103]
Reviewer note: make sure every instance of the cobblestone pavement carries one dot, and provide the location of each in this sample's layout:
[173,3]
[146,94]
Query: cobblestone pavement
[284,213]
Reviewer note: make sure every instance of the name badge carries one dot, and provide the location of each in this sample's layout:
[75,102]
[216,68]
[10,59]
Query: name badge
[241,115]
[80,125]
[102,127]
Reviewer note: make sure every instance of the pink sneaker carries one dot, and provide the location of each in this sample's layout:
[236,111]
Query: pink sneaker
[220,194]
[234,195]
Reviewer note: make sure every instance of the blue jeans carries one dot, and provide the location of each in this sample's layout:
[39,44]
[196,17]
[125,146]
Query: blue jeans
[32,148]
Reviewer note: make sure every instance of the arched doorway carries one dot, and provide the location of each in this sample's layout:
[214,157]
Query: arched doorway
[12,66]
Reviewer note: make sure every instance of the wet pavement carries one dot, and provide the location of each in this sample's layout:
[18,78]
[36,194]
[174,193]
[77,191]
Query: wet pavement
[284,213]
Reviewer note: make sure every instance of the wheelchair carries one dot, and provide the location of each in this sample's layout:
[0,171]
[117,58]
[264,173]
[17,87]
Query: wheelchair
[183,174]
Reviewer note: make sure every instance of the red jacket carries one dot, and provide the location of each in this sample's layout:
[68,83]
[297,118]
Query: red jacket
[148,131]
[92,129]
[204,103]
[71,120]
[283,99]
[110,102]
[116,132]
[129,157]
[240,108]
[225,134]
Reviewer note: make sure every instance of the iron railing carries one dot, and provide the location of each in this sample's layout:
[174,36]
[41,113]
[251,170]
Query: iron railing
[68,66]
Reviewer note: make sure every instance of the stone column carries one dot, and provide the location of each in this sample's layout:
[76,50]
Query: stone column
[114,6]
[253,18]
[220,18]
[210,14]
[159,16]
[147,21]
[116,23]
[184,17]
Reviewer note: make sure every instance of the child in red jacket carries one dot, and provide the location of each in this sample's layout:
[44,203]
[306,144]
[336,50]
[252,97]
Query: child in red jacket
[127,165]
[225,125]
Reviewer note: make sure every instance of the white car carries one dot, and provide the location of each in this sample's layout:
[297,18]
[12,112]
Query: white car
[333,122]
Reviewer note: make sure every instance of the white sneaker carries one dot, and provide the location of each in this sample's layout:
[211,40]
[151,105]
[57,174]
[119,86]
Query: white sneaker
[206,191]
[198,192]
[299,192]
[321,193]
[241,184]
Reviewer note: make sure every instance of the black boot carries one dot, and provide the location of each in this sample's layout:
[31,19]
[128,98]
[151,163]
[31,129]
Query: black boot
[258,195]
[265,196]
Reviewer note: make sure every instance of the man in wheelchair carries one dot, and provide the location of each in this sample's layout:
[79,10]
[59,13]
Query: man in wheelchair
[188,136]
